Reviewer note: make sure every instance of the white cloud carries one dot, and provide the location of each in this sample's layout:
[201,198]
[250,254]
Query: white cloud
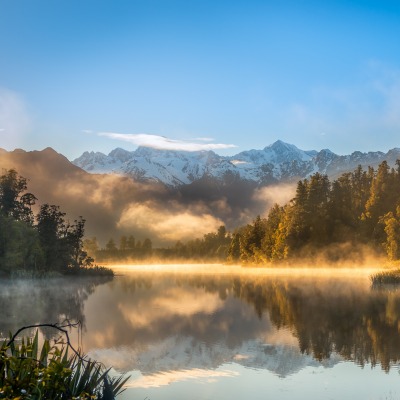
[164,143]
[14,119]
[204,139]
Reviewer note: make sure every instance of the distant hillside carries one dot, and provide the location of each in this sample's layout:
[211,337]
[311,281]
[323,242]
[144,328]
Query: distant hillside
[114,205]
[100,199]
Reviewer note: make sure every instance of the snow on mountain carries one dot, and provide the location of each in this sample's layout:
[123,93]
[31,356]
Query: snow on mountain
[184,353]
[277,162]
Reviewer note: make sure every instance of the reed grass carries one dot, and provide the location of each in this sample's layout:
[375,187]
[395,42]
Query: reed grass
[391,277]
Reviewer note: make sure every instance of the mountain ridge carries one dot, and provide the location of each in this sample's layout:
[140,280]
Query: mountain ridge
[115,204]
[275,163]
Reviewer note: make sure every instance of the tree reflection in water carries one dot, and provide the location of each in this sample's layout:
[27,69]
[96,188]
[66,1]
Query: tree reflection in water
[325,316]
[27,302]
[357,322]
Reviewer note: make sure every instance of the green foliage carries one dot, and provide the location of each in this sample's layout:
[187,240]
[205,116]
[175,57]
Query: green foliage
[19,246]
[250,241]
[28,372]
[360,208]
[234,248]
[13,203]
[391,222]
[52,245]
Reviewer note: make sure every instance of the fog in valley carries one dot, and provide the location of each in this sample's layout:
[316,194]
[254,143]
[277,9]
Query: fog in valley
[143,210]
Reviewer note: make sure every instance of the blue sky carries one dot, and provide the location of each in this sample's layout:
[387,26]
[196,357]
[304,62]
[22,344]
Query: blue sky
[76,75]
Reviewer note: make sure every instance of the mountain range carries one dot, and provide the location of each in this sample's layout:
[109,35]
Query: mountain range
[278,162]
[173,195]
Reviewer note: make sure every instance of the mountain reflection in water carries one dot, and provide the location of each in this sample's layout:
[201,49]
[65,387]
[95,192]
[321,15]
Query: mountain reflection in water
[176,326]
[179,317]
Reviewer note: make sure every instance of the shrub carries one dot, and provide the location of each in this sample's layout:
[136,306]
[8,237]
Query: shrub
[49,372]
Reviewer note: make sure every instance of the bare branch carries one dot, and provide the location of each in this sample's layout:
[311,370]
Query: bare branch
[60,327]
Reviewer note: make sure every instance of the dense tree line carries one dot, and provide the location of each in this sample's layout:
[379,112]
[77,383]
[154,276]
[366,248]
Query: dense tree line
[360,208]
[38,244]
[128,248]
[211,247]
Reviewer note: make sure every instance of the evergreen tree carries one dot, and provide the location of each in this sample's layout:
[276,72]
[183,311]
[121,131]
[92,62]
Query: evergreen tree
[318,197]
[391,223]
[297,221]
[75,233]
[110,246]
[13,203]
[382,199]
[342,213]
[130,243]
[251,240]
[361,185]
[272,227]
[52,231]
[147,247]
[123,243]
[234,248]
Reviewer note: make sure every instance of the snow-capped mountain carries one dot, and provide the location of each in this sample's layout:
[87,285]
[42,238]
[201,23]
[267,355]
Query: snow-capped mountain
[275,163]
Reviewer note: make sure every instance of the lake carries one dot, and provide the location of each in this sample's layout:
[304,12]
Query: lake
[225,332]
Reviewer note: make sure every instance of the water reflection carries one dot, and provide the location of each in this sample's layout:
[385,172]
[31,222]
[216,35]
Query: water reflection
[28,302]
[160,323]
[177,326]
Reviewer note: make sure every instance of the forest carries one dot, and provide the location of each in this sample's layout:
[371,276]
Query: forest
[351,217]
[39,245]
[337,220]
[347,219]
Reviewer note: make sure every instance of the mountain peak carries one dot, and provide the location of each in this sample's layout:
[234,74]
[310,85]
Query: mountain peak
[120,154]
[280,146]
[280,152]
[19,151]
[280,143]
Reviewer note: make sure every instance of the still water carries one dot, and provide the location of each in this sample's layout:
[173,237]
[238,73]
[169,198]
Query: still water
[218,332]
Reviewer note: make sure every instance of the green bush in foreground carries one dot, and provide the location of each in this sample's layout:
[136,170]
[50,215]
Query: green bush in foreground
[28,372]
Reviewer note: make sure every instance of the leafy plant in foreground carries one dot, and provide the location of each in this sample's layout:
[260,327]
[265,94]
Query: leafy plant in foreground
[30,372]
